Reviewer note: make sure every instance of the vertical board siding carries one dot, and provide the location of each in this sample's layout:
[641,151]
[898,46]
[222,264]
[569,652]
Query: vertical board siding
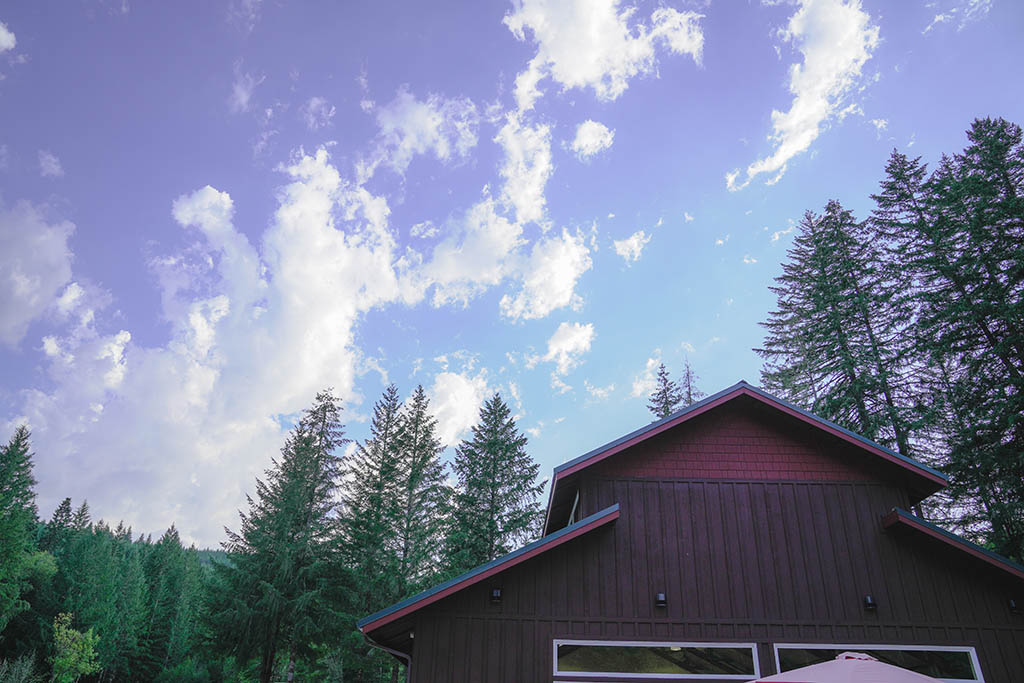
[750,561]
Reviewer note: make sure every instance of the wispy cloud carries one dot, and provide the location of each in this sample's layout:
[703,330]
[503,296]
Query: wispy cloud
[632,247]
[49,165]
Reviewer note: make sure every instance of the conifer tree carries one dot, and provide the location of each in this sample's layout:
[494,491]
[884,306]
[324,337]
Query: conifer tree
[666,396]
[371,493]
[270,600]
[835,343]
[17,522]
[423,495]
[495,507]
[688,391]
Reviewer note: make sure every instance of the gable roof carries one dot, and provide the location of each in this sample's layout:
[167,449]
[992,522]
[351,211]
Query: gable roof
[929,479]
[900,518]
[431,595]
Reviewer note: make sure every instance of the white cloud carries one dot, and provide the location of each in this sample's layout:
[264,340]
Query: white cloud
[647,381]
[245,13]
[447,128]
[836,38]
[526,167]
[687,217]
[424,230]
[49,165]
[7,38]
[962,12]
[253,336]
[567,345]
[549,277]
[455,400]
[631,247]
[591,137]
[688,347]
[317,113]
[720,242]
[777,235]
[748,259]
[599,393]
[595,44]
[35,263]
[242,90]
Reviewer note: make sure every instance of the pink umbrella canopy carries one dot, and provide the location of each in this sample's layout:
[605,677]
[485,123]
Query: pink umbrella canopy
[849,667]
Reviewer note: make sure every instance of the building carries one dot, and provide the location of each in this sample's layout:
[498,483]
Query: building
[734,536]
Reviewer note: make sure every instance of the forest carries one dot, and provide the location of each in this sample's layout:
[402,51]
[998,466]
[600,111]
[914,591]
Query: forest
[906,326]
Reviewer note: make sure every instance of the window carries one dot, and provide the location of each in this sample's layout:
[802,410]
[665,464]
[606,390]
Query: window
[657,660]
[945,663]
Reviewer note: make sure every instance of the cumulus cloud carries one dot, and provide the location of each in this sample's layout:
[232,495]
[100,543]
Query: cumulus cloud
[549,277]
[7,38]
[567,346]
[35,264]
[446,128]
[836,39]
[596,44]
[525,168]
[49,165]
[647,381]
[455,399]
[253,336]
[631,247]
[317,113]
[598,393]
[591,137]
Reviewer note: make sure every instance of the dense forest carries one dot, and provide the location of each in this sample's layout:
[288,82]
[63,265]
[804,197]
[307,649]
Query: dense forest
[325,541]
[906,327]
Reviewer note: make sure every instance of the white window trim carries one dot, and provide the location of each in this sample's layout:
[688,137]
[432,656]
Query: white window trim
[655,643]
[860,647]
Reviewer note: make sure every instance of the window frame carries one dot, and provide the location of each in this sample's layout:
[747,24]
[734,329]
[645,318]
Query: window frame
[654,676]
[861,647]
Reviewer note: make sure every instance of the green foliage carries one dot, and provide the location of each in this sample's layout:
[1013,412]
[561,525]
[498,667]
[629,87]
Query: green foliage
[74,653]
[666,396]
[273,597]
[495,507]
[17,523]
[21,670]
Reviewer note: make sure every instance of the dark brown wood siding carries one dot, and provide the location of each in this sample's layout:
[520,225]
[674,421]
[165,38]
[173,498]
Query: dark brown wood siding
[740,561]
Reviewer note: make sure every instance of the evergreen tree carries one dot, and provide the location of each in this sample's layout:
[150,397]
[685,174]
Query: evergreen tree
[688,391]
[423,495]
[270,599]
[666,396]
[960,233]
[836,341]
[17,522]
[495,507]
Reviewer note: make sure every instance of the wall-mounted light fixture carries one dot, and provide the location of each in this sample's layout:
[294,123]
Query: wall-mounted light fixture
[1013,605]
[659,600]
[869,603]
[495,595]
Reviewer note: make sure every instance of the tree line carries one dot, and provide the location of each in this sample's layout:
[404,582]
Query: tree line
[908,326]
[325,539]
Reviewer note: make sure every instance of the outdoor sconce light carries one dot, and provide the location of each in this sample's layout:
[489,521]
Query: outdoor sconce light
[659,600]
[869,603]
[495,595]
[1013,605]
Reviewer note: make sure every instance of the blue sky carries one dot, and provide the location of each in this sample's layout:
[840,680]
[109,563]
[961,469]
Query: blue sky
[211,210]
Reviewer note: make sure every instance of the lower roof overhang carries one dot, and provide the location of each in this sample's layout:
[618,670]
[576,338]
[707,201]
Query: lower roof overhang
[898,518]
[388,615]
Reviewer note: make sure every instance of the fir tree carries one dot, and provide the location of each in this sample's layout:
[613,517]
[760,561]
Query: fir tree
[17,522]
[423,495]
[270,599]
[495,507]
[688,391]
[666,396]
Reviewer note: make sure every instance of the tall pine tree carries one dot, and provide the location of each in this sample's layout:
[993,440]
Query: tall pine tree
[17,522]
[270,600]
[495,507]
[688,391]
[666,396]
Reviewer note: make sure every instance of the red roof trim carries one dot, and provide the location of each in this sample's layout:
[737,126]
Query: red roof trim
[901,517]
[501,564]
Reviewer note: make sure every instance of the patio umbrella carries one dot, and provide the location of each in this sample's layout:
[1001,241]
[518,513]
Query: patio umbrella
[849,667]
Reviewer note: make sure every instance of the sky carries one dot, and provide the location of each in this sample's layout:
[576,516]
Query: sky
[210,211]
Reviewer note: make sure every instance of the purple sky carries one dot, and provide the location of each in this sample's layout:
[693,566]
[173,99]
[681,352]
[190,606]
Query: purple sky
[211,210]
